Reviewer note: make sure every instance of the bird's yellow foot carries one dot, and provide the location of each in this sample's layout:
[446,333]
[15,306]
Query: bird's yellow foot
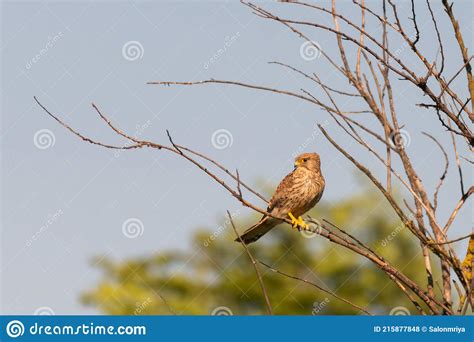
[294,220]
[297,223]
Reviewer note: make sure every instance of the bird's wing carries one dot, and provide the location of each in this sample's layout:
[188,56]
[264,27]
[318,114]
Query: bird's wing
[282,192]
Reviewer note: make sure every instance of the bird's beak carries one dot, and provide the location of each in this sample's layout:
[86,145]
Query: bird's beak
[297,163]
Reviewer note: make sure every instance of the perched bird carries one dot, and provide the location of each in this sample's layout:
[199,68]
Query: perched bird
[297,193]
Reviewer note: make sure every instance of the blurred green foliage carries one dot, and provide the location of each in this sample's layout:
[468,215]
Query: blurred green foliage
[215,271]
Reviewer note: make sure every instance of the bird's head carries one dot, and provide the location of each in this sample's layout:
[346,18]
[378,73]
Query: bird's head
[308,161]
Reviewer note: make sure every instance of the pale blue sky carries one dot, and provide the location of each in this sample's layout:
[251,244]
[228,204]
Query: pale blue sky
[82,194]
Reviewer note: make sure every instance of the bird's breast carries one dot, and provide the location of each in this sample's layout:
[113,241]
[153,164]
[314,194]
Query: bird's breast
[308,193]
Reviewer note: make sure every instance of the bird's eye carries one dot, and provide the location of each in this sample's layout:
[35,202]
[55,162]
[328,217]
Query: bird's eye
[305,159]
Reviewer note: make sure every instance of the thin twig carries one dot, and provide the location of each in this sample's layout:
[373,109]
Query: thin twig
[316,286]
[451,241]
[254,263]
[443,175]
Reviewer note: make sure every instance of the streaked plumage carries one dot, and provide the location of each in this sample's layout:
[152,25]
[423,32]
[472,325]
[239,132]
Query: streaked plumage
[297,193]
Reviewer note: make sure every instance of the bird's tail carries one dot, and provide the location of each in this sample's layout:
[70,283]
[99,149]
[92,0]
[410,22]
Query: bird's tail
[259,229]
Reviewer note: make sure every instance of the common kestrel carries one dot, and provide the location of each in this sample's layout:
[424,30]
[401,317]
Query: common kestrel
[297,193]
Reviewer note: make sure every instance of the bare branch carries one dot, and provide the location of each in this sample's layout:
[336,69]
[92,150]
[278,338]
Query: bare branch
[438,35]
[462,47]
[457,208]
[316,286]
[451,241]
[443,175]
[255,266]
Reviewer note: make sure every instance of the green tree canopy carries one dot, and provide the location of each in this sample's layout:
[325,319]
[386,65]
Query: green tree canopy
[216,272]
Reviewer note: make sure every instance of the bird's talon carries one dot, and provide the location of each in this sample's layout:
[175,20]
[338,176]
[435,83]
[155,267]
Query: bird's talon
[294,221]
[298,223]
[302,224]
